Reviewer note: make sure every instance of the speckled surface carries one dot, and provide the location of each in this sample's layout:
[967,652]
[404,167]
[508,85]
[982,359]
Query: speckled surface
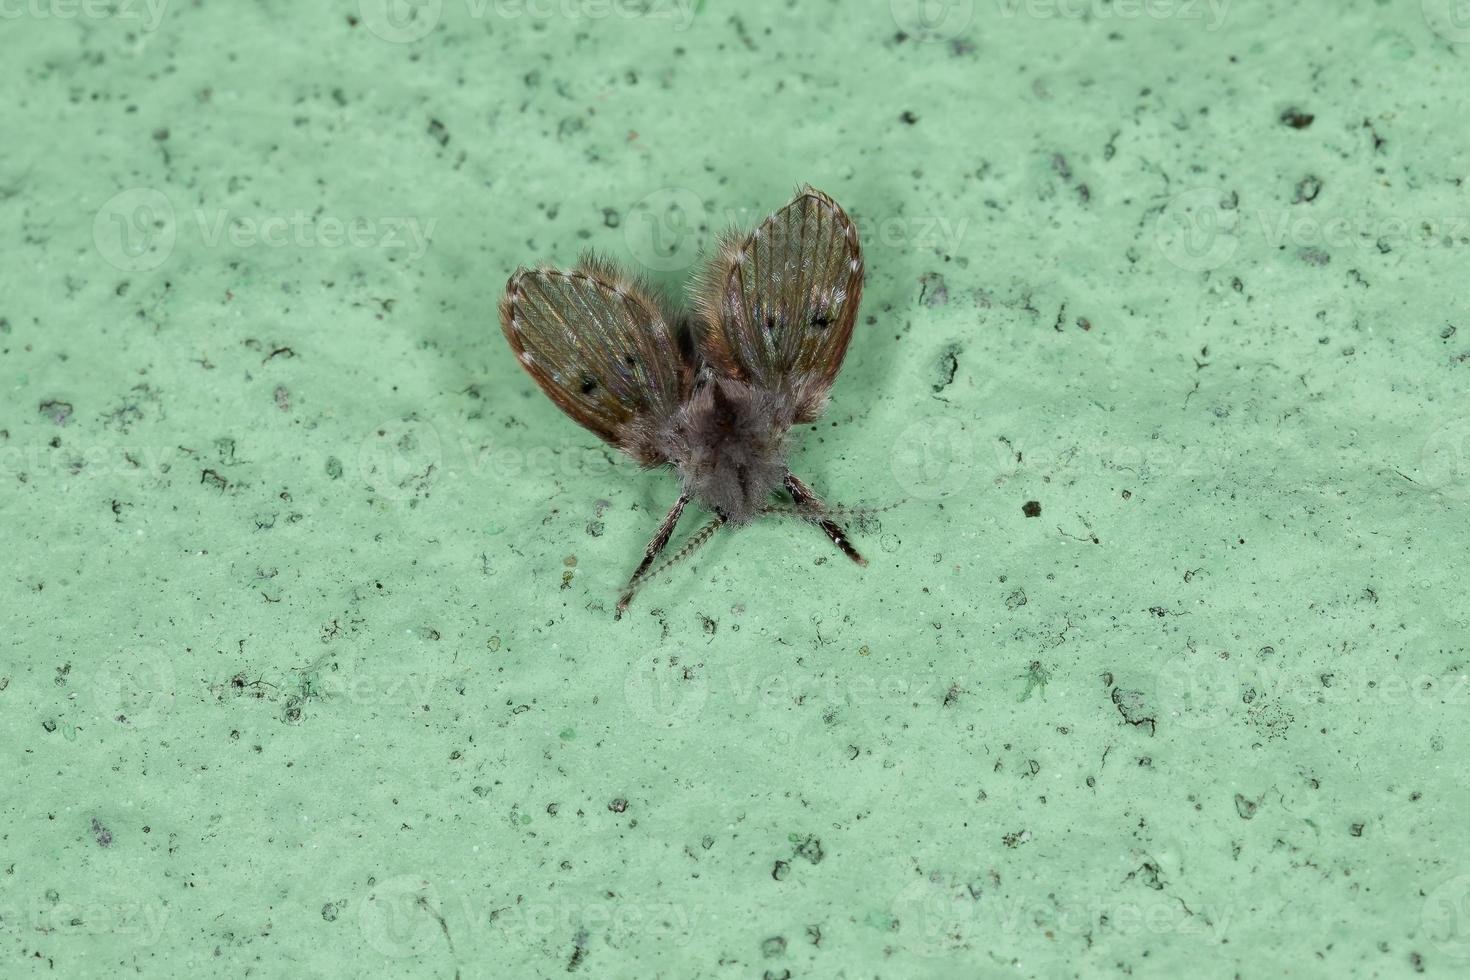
[309,667]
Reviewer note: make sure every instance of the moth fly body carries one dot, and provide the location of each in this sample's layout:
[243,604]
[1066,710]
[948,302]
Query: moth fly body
[713,391]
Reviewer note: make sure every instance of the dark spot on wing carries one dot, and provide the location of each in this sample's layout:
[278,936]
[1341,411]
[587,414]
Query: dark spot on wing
[589,384]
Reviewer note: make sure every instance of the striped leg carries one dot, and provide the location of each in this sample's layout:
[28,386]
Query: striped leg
[690,547]
[655,546]
[813,510]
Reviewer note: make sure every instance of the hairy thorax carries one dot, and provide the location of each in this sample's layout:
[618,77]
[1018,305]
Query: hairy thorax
[729,445]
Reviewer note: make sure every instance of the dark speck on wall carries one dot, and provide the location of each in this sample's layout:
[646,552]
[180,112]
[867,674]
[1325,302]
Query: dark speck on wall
[1307,189]
[1296,118]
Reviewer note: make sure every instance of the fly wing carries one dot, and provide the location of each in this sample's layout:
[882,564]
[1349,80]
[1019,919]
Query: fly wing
[602,346]
[778,305]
